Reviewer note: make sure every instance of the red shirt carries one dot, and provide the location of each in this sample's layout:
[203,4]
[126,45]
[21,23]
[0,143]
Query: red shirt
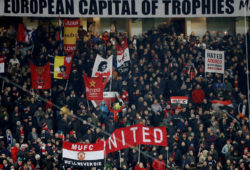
[138,168]
[125,96]
[115,113]
[158,165]
[197,96]
[14,152]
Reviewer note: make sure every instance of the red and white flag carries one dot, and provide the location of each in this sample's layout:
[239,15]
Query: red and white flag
[222,103]
[122,53]
[40,76]
[2,64]
[94,87]
[179,100]
[83,155]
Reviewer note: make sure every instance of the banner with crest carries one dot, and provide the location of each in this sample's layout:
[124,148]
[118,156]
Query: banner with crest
[40,76]
[62,66]
[83,155]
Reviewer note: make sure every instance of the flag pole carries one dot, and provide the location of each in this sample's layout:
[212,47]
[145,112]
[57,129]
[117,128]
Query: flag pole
[105,158]
[139,154]
[110,91]
[120,158]
[247,64]
[66,86]
[2,86]
[88,106]
[167,158]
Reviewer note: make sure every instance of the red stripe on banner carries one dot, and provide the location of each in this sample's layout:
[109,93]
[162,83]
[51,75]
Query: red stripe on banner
[71,23]
[69,48]
[179,97]
[83,147]
[2,59]
[68,62]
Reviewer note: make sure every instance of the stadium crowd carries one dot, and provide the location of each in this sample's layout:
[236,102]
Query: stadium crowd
[200,135]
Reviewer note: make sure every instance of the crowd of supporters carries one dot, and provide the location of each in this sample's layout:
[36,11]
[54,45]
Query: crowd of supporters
[200,135]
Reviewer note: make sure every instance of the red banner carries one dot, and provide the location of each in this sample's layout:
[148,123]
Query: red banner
[21,33]
[94,87]
[40,76]
[134,135]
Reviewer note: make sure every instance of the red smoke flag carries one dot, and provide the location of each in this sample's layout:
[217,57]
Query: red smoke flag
[21,33]
[94,87]
[40,76]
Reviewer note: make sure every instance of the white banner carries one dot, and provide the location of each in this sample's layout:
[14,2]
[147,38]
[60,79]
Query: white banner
[179,100]
[214,61]
[83,155]
[125,8]
[108,98]
[103,66]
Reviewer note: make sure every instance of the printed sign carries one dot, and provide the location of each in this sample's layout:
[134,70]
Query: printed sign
[125,8]
[214,61]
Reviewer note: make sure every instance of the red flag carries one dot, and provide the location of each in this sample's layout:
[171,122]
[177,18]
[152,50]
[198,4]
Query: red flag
[40,76]
[59,31]
[21,33]
[94,87]
[136,135]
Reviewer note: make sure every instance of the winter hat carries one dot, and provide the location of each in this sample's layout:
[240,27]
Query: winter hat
[37,157]
[71,132]
[22,133]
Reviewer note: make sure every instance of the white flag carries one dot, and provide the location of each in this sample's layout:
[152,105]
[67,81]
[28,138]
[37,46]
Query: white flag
[214,61]
[2,64]
[102,67]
